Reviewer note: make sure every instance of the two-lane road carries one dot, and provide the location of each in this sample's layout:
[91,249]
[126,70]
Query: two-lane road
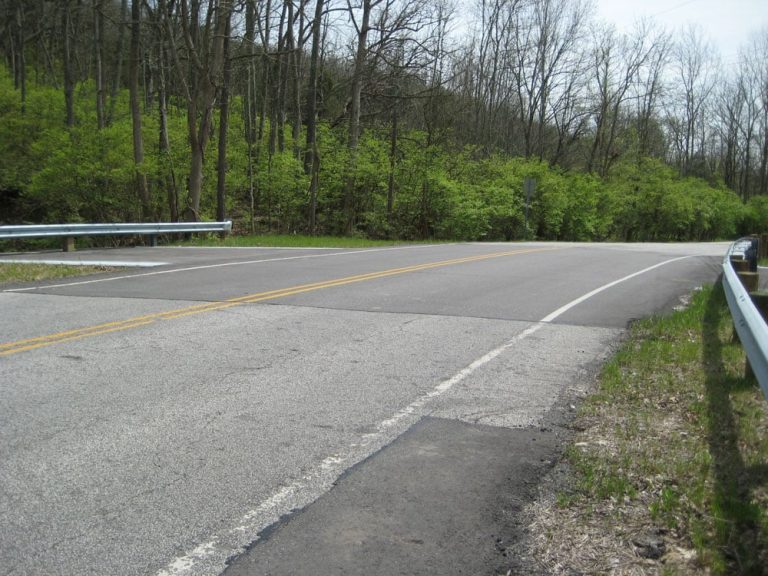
[157,420]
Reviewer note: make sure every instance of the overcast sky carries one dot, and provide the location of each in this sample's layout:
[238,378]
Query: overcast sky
[727,23]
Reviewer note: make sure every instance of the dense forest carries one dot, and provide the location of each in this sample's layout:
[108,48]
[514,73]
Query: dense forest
[383,118]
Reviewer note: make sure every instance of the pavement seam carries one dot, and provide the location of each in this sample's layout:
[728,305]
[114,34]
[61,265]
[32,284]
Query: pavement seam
[8,348]
[209,266]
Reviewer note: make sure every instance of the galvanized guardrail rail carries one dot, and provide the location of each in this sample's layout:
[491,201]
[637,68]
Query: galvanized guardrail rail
[748,320]
[68,232]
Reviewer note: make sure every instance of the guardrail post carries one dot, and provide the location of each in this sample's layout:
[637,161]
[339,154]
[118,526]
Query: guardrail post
[760,299]
[753,253]
[68,244]
[740,264]
[750,280]
[153,240]
[763,246]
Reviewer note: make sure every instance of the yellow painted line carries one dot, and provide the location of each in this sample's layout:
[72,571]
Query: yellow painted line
[73,337]
[17,346]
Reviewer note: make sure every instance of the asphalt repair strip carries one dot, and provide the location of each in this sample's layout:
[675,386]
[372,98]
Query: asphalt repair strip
[444,498]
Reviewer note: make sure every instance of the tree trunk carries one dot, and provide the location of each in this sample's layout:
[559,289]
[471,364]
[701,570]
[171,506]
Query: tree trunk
[20,62]
[354,116]
[138,142]
[206,52]
[392,167]
[115,89]
[764,161]
[277,106]
[311,162]
[276,112]
[297,48]
[313,184]
[265,97]
[223,127]
[98,41]
[249,115]
[69,80]
[162,97]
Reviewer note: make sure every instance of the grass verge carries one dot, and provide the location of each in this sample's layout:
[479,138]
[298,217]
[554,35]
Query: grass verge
[668,472]
[17,273]
[291,241]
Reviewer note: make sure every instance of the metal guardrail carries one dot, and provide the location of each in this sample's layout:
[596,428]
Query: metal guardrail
[71,231]
[749,323]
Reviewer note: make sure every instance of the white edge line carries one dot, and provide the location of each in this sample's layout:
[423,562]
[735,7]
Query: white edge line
[563,309]
[253,522]
[206,267]
[176,247]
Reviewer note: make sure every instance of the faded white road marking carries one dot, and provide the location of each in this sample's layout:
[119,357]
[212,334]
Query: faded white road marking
[214,553]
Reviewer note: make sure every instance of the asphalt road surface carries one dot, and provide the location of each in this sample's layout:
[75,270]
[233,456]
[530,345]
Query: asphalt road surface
[305,411]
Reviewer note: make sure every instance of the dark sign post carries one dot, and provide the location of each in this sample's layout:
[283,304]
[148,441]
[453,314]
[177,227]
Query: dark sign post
[529,187]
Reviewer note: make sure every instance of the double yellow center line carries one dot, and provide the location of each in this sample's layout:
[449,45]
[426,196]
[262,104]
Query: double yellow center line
[41,341]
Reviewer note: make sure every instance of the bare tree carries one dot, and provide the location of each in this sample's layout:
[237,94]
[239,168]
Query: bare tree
[694,66]
[204,51]
[494,64]
[617,65]
[753,84]
[650,87]
[729,103]
[548,34]
[378,24]
[362,24]
[221,166]
[311,155]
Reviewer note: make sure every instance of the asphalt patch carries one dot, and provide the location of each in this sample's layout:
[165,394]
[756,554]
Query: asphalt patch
[446,497]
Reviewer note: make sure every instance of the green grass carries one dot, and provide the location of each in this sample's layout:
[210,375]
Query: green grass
[19,273]
[678,435]
[291,241]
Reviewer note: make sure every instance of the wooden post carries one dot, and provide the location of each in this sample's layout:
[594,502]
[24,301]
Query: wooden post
[750,280]
[740,264]
[68,244]
[763,247]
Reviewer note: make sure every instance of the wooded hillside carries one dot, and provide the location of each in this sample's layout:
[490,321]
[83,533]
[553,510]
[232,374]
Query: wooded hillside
[384,118]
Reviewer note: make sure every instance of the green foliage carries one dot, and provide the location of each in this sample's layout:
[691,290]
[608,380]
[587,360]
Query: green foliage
[52,173]
[650,203]
[756,216]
